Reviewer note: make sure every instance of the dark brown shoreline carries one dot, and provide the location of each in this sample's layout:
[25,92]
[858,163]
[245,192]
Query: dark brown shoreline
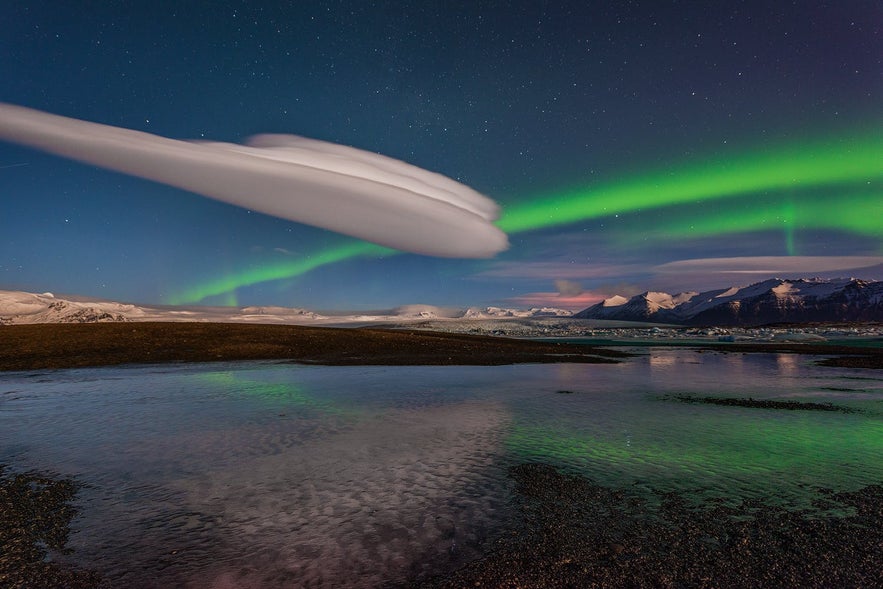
[61,345]
[841,356]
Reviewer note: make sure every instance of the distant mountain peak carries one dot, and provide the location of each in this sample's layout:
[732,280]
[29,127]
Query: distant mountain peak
[614,301]
[776,300]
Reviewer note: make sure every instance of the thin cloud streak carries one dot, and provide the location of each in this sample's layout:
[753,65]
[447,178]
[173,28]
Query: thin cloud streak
[558,270]
[769,264]
[343,189]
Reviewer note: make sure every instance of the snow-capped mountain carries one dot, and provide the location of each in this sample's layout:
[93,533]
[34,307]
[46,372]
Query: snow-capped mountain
[643,307]
[771,301]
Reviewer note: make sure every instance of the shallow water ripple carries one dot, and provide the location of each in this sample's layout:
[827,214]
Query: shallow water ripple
[271,475]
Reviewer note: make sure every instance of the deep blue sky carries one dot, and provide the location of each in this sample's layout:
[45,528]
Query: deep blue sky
[519,100]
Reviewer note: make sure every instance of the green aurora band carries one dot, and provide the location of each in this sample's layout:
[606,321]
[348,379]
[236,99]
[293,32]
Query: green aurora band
[278,271]
[856,160]
[856,212]
[846,162]
[286,395]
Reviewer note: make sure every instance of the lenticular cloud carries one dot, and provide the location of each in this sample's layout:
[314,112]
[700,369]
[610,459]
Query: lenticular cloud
[355,192]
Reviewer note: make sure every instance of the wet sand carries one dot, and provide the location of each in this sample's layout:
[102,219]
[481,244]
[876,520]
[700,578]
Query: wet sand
[33,347]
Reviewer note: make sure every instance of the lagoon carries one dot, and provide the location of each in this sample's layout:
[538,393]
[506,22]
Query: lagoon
[265,474]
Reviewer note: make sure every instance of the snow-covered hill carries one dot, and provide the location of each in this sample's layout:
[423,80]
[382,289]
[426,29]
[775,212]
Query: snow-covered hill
[771,301]
[24,307]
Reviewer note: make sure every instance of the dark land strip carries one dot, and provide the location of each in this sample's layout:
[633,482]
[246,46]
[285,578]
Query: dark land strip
[869,361]
[54,345]
[761,403]
[842,356]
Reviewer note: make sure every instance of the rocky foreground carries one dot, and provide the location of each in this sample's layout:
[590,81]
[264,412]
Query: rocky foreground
[570,532]
[35,516]
[567,532]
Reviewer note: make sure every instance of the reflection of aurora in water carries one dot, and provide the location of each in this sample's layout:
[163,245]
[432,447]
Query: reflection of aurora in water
[255,466]
[610,437]
[282,394]
[753,458]
[615,428]
[787,189]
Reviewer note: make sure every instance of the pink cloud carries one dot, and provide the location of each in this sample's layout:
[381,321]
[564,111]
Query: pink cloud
[554,299]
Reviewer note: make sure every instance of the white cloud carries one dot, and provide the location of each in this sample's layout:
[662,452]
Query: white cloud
[340,188]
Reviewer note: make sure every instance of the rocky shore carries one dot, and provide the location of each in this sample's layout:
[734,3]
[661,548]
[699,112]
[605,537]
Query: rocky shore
[35,515]
[570,532]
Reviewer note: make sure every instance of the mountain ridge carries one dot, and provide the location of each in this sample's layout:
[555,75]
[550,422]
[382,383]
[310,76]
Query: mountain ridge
[775,300]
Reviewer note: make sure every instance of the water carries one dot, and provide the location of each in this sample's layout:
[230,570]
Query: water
[273,475]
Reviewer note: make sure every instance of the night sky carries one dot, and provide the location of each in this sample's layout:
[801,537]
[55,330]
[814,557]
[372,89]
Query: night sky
[631,145]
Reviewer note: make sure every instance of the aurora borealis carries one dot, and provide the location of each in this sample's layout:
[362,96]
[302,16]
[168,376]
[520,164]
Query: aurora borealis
[617,139]
[847,160]
[278,271]
[746,184]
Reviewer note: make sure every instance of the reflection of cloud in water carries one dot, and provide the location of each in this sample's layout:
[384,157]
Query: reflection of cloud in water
[568,372]
[788,364]
[273,476]
[663,361]
[672,361]
[359,507]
